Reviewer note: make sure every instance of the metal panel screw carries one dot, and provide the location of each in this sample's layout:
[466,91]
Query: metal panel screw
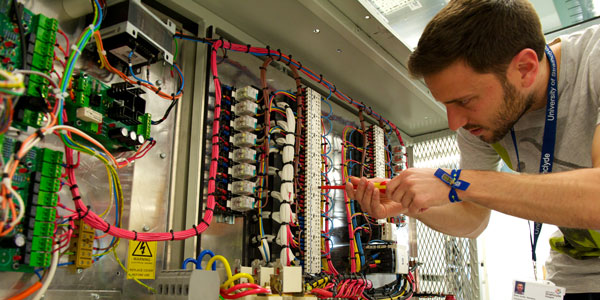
[163,155]
[146,228]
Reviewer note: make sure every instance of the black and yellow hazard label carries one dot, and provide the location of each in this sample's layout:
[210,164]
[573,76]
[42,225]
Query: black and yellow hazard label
[141,260]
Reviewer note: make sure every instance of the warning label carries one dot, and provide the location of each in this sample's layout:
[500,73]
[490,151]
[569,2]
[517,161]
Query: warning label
[141,260]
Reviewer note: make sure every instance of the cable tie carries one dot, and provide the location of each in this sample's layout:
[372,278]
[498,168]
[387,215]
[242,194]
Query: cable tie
[285,246]
[248,48]
[74,48]
[202,221]
[77,198]
[320,78]
[334,89]
[158,90]
[172,234]
[262,68]
[210,208]
[4,175]
[269,52]
[215,77]
[86,212]
[40,133]
[299,66]
[196,229]
[108,228]
[289,60]
[279,58]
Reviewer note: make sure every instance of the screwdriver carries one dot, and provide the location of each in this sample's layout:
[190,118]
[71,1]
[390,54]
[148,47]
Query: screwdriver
[378,185]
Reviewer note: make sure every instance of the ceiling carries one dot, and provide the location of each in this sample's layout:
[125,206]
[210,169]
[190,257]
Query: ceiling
[362,57]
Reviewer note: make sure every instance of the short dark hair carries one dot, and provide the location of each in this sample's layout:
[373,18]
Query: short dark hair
[486,34]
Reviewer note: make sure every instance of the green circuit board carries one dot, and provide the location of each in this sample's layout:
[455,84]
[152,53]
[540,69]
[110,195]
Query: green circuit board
[37,180]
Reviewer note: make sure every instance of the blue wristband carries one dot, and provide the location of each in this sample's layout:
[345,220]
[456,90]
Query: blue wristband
[452,181]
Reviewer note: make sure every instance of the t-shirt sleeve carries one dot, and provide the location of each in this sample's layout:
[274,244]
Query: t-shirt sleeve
[476,154]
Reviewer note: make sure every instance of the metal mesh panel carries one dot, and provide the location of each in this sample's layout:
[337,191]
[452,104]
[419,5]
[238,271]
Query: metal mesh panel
[449,265]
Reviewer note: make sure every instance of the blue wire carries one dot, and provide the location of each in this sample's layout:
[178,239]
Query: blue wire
[131,70]
[328,104]
[185,38]
[182,80]
[99,15]
[330,126]
[201,257]
[37,272]
[190,260]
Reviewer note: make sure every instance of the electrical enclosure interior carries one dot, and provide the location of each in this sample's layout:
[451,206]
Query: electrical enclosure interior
[162,150]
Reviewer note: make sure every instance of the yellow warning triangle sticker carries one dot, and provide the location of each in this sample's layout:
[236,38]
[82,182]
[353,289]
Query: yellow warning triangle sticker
[142,250]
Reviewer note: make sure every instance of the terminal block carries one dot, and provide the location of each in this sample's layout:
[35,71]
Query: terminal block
[244,123]
[82,246]
[244,155]
[243,187]
[244,171]
[242,203]
[245,108]
[246,93]
[244,139]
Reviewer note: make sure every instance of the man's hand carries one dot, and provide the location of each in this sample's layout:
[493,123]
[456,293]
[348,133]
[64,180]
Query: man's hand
[376,204]
[417,190]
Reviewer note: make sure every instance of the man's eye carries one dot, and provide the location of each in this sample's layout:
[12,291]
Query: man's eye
[465,102]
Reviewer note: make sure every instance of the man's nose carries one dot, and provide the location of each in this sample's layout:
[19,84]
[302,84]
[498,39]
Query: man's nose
[456,117]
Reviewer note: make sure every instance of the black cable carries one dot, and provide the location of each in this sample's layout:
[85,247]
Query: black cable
[167,112]
[18,9]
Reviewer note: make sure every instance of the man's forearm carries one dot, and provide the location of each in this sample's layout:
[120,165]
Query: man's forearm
[463,219]
[569,199]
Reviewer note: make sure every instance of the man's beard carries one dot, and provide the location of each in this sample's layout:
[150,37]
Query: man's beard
[514,107]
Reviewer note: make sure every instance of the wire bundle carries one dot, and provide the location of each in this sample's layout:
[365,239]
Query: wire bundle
[279,56]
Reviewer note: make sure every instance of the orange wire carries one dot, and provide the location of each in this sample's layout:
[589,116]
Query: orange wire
[26,293]
[123,76]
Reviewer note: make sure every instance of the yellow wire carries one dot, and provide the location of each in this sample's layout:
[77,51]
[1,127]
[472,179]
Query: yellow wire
[235,277]
[223,260]
[127,272]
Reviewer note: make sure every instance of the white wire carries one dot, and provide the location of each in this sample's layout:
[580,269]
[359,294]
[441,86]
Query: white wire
[50,276]
[80,133]
[8,185]
[32,72]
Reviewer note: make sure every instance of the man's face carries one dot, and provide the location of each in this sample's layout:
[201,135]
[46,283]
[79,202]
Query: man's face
[519,287]
[483,104]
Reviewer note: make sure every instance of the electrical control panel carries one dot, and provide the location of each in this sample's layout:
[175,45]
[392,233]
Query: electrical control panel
[247,167]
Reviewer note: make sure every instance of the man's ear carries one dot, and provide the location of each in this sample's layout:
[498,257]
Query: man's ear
[523,68]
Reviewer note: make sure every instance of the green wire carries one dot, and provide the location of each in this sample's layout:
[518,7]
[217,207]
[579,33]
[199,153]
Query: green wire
[10,92]
[221,297]
[176,50]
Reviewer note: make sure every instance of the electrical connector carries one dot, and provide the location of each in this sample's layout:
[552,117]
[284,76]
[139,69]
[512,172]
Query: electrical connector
[244,155]
[242,203]
[244,123]
[243,187]
[82,246]
[244,139]
[245,108]
[243,171]
[246,93]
